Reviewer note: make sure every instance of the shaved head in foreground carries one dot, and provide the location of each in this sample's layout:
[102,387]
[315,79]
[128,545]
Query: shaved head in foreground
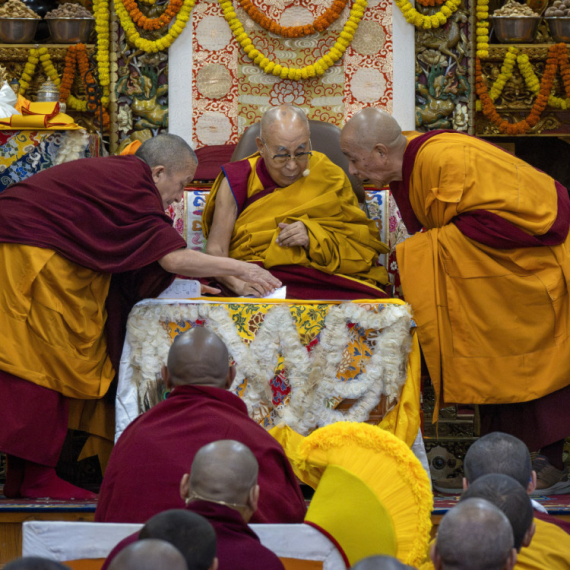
[150,554]
[189,532]
[224,472]
[373,142]
[198,357]
[474,535]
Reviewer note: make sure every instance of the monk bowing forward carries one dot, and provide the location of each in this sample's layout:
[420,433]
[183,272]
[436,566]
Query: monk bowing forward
[488,281]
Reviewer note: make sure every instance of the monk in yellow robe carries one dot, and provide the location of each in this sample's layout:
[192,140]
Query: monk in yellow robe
[291,210]
[80,243]
[488,281]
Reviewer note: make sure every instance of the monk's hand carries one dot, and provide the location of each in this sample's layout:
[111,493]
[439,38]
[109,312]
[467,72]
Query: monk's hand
[259,280]
[294,234]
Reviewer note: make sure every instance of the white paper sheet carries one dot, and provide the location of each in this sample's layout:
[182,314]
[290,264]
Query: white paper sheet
[182,289]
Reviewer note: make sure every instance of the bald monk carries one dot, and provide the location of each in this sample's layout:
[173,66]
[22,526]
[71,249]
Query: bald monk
[504,454]
[222,487]
[80,243]
[161,443]
[151,554]
[380,563]
[509,496]
[290,209]
[189,532]
[474,535]
[488,280]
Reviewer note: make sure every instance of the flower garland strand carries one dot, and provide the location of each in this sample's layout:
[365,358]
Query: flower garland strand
[101,12]
[35,56]
[482,28]
[150,24]
[545,88]
[319,25]
[427,22]
[163,43]
[295,73]
[506,73]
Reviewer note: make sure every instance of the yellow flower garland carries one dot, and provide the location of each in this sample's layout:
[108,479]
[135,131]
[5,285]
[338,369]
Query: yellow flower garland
[482,28]
[35,56]
[533,83]
[101,12]
[165,41]
[295,73]
[427,22]
[531,80]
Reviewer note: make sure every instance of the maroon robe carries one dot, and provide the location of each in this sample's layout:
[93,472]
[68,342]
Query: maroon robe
[238,547]
[157,449]
[105,214]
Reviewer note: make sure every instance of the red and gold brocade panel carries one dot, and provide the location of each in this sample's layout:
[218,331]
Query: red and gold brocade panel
[230,93]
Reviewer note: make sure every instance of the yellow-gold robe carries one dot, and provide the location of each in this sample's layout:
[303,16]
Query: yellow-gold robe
[343,241]
[548,550]
[494,324]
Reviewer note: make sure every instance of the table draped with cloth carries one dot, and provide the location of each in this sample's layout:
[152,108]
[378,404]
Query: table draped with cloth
[488,281]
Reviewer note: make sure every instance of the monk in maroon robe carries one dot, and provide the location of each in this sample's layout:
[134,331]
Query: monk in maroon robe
[222,487]
[80,243]
[153,453]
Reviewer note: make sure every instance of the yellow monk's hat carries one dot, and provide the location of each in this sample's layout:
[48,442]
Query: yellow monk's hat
[373,496]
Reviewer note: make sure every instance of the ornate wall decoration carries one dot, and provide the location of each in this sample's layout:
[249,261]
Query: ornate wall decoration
[230,93]
[443,84]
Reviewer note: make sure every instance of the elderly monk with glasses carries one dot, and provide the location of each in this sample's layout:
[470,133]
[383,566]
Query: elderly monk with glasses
[291,210]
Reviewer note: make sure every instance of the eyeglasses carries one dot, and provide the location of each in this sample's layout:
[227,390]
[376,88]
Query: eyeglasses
[283,159]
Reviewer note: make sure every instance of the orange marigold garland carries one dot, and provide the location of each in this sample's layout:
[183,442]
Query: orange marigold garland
[76,58]
[555,56]
[151,24]
[319,25]
[429,3]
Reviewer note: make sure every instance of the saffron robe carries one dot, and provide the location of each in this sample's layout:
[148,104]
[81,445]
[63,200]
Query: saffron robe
[78,242]
[344,243]
[488,281]
[237,548]
[148,461]
[548,550]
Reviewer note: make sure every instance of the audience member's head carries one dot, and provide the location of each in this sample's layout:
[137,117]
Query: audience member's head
[508,495]
[499,452]
[474,535]
[379,563]
[34,563]
[190,533]
[198,357]
[150,554]
[224,472]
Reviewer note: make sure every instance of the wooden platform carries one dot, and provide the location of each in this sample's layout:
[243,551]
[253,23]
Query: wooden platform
[14,512]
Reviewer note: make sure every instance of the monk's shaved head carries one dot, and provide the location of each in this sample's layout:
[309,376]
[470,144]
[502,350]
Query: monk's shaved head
[284,117]
[508,495]
[474,535]
[189,532]
[284,132]
[372,126]
[498,452]
[380,563]
[225,470]
[149,554]
[168,150]
[374,145]
[198,357]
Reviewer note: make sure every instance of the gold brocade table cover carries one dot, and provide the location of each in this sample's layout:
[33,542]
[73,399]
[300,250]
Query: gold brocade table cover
[295,360]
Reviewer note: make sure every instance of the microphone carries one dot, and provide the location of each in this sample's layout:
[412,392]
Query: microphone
[306,172]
